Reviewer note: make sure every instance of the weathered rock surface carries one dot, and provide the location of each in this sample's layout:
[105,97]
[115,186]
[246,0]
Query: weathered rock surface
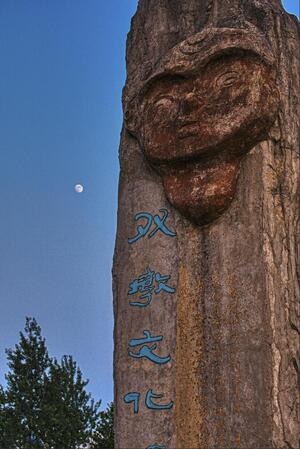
[209,151]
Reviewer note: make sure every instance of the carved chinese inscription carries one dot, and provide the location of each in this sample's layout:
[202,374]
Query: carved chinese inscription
[152,226]
[147,345]
[147,284]
[146,351]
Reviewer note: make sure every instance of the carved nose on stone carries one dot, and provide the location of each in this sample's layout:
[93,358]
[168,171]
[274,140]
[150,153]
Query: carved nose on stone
[190,103]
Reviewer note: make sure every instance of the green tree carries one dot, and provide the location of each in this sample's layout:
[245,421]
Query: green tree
[45,404]
[70,415]
[103,437]
[6,422]
[29,364]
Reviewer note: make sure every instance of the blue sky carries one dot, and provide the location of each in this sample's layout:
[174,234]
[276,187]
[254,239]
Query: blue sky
[62,72]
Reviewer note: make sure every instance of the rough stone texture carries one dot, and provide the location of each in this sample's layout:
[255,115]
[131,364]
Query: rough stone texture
[232,327]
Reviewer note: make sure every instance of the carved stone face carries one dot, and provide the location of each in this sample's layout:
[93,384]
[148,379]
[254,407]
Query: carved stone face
[195,127]
[224,105]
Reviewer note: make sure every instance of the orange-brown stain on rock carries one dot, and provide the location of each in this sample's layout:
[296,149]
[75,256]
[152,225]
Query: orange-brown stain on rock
[189,423]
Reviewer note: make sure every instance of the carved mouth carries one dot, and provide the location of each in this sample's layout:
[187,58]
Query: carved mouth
[188,133]
[188,129]
[187,123]
[200,156]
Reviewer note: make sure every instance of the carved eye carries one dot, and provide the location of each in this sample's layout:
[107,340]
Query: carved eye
[164,103]
[164,108]
[227,79]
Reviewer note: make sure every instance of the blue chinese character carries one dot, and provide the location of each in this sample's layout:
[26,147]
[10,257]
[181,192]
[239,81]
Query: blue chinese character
[144,284]
[146,351]
[159,225]
[161,280]
[151,405]
[135,398]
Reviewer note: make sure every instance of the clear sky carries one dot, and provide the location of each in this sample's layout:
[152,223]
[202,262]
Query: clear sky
[62,72]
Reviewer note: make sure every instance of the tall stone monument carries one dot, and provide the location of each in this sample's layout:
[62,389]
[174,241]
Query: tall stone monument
[206,267]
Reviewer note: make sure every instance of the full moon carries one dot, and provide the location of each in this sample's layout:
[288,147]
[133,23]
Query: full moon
[78,188]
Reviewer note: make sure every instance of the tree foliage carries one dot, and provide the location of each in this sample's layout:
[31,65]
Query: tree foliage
[103,437]
[45,403]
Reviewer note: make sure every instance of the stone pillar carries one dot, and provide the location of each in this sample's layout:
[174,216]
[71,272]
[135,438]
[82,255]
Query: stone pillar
[206,266]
